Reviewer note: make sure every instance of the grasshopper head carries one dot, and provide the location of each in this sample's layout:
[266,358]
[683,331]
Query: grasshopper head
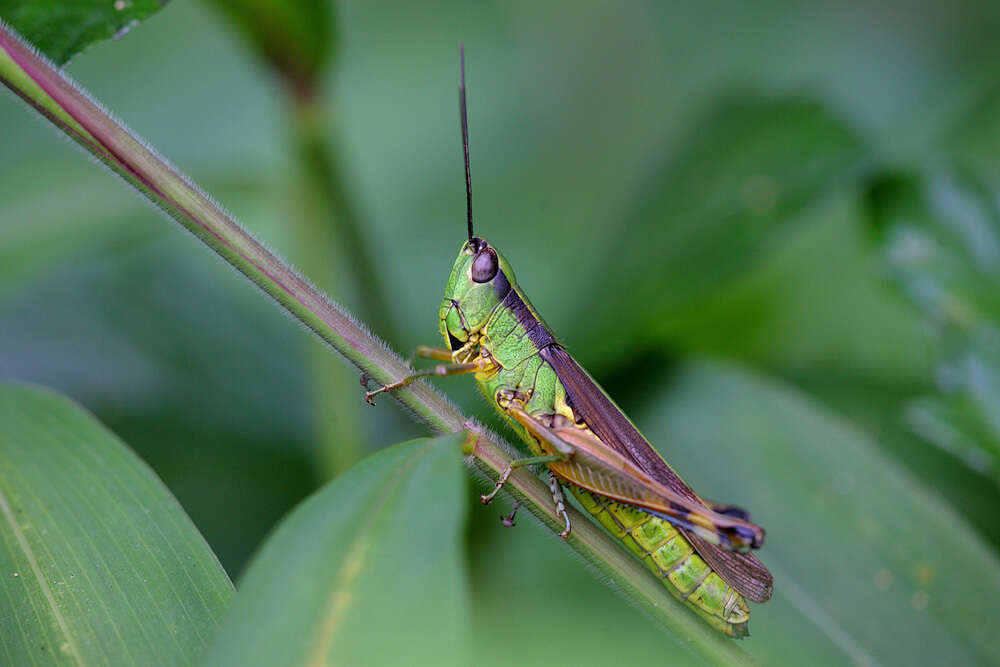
[478,283]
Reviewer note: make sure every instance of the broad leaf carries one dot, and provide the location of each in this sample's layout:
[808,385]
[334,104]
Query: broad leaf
[366,571]
[868,566]
[63,28]
[99,563]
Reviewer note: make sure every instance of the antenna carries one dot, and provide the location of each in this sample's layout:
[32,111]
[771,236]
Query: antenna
[465,136]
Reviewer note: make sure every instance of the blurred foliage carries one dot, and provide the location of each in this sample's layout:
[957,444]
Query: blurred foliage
[941,239]
[671,182]
[294,37]
[63,29]
[297,41]
[725,198]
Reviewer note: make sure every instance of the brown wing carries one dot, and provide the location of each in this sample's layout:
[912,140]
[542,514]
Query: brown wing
[741,570]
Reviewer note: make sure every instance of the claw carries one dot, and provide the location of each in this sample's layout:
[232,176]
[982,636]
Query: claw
[566,531]
[508,520]
[369,395]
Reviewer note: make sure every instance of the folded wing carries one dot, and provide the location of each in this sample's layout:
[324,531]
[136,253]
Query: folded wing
[741,570]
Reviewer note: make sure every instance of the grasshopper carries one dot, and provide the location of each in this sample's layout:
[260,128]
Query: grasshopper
[586,443]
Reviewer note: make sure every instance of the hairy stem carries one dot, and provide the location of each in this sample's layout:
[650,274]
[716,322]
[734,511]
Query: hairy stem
[53,95]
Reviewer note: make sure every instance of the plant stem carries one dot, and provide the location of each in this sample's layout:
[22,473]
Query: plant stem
[53,95]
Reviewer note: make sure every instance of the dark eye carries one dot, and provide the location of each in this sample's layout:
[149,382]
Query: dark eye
[485,266]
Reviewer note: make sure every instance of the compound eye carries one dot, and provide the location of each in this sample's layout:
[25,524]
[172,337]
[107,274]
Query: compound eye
[485,265]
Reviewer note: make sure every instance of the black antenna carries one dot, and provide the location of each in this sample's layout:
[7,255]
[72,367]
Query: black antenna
[465,135]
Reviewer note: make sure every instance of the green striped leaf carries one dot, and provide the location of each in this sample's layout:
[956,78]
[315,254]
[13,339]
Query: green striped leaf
[367,571]
[98,564]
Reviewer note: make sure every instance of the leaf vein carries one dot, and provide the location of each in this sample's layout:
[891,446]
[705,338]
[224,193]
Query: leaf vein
[36,571]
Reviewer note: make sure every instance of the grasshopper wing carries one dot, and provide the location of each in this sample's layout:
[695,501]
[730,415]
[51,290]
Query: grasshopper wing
[742,570]
[597,468]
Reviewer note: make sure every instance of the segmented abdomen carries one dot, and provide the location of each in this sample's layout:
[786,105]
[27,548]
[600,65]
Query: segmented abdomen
[673,560]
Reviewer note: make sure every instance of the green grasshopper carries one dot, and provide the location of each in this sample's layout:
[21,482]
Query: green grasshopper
[696,548]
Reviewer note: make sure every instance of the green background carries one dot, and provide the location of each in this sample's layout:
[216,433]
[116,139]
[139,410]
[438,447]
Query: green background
[701,202]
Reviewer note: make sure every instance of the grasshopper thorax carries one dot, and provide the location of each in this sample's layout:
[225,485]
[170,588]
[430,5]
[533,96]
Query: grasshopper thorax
[479,281]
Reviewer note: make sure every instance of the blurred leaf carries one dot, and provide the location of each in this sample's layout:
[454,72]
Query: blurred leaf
[717,208]
[295,37]
[940,237]
[366,571]
[816,306]
[63,28]
[974,140]
[878,410]
[868,566]
[168,349]
[100,564]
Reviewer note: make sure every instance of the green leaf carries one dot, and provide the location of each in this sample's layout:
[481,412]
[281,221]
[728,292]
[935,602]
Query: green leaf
[63,28]
[717,207]
[940,238]
[366,571]
[295,37]
[99,563]
[868,566]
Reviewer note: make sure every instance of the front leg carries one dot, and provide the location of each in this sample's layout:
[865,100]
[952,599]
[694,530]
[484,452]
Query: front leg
[442,370]
[480,364]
